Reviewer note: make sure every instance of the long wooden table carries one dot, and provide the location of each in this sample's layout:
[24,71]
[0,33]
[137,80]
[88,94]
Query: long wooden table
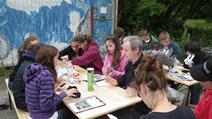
[179,72]
[114,97]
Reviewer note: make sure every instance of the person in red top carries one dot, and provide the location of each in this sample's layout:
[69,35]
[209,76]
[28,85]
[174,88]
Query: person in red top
[203,73]
[91,55]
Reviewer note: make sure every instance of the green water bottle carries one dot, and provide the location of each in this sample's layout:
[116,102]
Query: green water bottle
[90,77]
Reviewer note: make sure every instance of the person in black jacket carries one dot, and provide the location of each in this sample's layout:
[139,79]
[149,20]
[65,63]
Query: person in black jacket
[28,43]
[18,85]
[132,47]
[194,56]
[70,52]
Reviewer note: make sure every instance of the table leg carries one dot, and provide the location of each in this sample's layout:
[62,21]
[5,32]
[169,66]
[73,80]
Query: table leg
[10,103]
[188,95]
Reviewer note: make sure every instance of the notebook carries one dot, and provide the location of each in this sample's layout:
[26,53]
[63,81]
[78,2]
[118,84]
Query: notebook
[86,103]
[182,77]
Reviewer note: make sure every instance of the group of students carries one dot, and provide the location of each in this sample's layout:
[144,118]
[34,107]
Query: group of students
[33,80]
[125,65]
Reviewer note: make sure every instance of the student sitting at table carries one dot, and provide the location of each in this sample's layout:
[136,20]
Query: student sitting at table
[119,33]
[194,57]
[203,74]
[115,60]
[27,45]
[168,46]
[18,85]
[132,47]
[70,52]
[151,85]
[91,56]
[39,81]
[163,58]
[147,39]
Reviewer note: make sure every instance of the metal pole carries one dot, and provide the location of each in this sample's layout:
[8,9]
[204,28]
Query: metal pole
[91,19]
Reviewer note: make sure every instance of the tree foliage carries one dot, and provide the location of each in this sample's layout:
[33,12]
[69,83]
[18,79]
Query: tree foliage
[158,15]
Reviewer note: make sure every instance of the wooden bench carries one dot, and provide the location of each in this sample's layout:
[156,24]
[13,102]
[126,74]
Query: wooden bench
[21,114]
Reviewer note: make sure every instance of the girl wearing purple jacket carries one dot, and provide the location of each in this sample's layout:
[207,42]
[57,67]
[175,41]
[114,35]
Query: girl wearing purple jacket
[39,81]
[115,60]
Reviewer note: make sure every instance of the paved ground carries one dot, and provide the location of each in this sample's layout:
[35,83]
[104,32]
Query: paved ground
[5,114]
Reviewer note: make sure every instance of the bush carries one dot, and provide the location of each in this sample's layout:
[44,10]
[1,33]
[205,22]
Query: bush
[201,31]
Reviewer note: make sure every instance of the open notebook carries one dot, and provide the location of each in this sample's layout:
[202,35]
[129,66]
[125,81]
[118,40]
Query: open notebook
[87,103]
[182,77]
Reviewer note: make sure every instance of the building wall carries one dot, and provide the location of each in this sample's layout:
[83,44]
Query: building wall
[55,22]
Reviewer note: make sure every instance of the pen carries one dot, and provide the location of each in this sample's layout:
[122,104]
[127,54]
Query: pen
[110,74]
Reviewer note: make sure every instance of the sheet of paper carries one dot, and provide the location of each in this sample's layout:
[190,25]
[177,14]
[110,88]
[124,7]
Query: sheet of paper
[102,83]
[103,10]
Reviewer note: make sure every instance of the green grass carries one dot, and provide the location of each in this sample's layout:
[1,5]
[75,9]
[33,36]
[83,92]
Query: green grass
[5,71]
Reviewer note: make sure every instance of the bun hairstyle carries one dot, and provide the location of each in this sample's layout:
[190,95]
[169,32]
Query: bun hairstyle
[150,73]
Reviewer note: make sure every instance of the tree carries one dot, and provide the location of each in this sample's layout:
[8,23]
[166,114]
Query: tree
[158,15]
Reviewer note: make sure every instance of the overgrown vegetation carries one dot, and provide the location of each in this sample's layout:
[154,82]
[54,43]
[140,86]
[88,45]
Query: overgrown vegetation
[200,30]
[182,19]
[5,71]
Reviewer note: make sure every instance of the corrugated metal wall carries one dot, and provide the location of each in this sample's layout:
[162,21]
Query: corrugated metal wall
[55,22]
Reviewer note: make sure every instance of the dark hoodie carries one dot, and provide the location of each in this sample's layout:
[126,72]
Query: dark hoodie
[39,88]
[25,56]
[17,86]
[70,52]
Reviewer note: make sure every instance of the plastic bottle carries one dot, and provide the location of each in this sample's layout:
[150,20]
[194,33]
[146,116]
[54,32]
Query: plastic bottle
[70,69]
[90,77]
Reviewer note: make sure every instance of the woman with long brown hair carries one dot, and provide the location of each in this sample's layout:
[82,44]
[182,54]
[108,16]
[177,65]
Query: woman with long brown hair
[39,81]
[115,60]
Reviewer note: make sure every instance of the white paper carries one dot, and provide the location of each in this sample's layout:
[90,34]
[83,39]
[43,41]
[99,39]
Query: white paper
[103,10]
[102,83]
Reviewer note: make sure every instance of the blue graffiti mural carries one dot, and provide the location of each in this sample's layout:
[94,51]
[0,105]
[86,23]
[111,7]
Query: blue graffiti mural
[55,24]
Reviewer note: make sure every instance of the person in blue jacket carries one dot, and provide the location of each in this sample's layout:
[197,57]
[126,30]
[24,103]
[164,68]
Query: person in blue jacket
[168,46]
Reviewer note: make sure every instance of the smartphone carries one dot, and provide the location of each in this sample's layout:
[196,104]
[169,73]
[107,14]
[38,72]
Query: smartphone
[185,71]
